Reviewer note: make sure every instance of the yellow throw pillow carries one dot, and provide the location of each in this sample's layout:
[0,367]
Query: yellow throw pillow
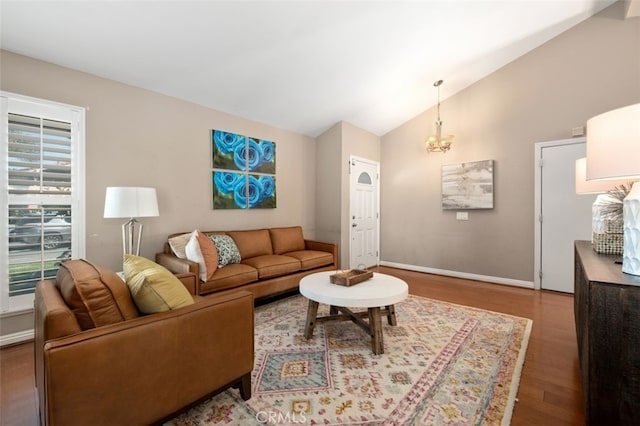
[153,287]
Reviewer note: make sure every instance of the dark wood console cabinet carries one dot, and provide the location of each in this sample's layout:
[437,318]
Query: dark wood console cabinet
[607,314]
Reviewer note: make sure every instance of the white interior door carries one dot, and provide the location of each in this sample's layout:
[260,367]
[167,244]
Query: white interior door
[364,214]
[565,216]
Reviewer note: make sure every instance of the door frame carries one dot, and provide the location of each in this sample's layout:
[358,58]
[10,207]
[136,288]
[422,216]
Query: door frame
[353,158]
[537,210]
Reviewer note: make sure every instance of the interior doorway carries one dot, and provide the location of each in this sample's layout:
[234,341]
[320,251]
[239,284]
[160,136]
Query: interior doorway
[364,216]
[562,216]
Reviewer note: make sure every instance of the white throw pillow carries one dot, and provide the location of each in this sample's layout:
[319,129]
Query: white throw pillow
[194,254]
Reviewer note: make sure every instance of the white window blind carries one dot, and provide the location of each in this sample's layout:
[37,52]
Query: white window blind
[43,179]
[39,154]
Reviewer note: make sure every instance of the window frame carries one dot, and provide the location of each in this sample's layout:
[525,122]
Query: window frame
[25,105]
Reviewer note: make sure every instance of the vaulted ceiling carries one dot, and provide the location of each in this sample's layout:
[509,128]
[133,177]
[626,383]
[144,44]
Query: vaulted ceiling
[297,65]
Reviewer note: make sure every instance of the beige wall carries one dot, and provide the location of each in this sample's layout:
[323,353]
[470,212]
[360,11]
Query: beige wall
[359,143]
[590,69]
[328,178]
[334,149]
[139,138]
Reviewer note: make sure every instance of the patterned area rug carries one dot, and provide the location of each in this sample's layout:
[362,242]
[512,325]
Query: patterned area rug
[443,364]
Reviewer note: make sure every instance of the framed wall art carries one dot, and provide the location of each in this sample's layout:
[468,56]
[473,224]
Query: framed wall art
[467,185]
[243,175]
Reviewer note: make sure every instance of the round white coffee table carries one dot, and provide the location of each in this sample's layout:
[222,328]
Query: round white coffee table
[378,295]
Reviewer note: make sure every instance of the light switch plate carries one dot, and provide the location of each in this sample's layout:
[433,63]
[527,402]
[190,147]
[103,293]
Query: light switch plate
[462,215]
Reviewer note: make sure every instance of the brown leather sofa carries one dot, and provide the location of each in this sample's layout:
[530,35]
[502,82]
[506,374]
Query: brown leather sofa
[273,261]
[98,361]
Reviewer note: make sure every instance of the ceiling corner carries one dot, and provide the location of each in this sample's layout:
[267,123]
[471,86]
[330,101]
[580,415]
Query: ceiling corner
[632,8]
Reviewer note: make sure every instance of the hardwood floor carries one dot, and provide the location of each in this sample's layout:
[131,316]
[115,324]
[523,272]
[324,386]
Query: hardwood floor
[17,386]
[549,394]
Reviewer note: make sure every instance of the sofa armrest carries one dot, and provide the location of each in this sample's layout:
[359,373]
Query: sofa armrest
[177,265]
[142,370]
[322,246]
[53,318]
[190,281]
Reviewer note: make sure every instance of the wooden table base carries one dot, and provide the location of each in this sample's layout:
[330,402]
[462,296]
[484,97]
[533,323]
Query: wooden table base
[338,313]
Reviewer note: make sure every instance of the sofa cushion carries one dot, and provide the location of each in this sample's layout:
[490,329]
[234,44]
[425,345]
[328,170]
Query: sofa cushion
[153,287]
[285,240]
[178,244]
[273,265]
[96,295]
[252,243]
[310,259]
[202,250]
[233,275]
[227,250]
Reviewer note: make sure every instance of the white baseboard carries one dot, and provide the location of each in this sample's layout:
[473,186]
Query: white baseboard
[21,336]
[485,278]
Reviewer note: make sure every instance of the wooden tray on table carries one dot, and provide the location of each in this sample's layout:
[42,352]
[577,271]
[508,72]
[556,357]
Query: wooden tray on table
[350,277]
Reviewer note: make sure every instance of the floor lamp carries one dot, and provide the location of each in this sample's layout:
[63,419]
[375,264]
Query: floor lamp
[131,202]
[613,152]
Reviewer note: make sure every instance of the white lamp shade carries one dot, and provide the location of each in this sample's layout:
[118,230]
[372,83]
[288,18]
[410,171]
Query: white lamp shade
[584,186]
[613,144]
[127,201]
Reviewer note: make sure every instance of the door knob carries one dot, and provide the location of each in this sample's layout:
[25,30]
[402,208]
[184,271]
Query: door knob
[353,225]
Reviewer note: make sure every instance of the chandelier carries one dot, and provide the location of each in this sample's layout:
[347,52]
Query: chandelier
[436,143]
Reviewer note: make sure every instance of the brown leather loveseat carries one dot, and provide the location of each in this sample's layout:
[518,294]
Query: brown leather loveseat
[99,361]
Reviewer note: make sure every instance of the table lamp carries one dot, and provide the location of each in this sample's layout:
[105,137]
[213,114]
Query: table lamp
[131,202]
[613,152]
[606,224]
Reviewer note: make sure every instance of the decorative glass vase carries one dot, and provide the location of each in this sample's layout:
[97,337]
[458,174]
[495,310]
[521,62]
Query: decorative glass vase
[606,235]
[599,213]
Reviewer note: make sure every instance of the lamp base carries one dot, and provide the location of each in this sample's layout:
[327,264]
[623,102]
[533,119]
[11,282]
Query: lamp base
[129,239]
[631,213]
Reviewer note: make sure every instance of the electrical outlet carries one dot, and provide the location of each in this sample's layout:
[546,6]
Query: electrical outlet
[462,215]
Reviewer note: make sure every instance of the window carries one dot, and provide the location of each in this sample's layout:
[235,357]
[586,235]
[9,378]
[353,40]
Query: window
[364,178]
[42,181]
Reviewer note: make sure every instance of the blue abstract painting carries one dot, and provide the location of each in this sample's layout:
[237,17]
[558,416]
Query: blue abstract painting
[243,175]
